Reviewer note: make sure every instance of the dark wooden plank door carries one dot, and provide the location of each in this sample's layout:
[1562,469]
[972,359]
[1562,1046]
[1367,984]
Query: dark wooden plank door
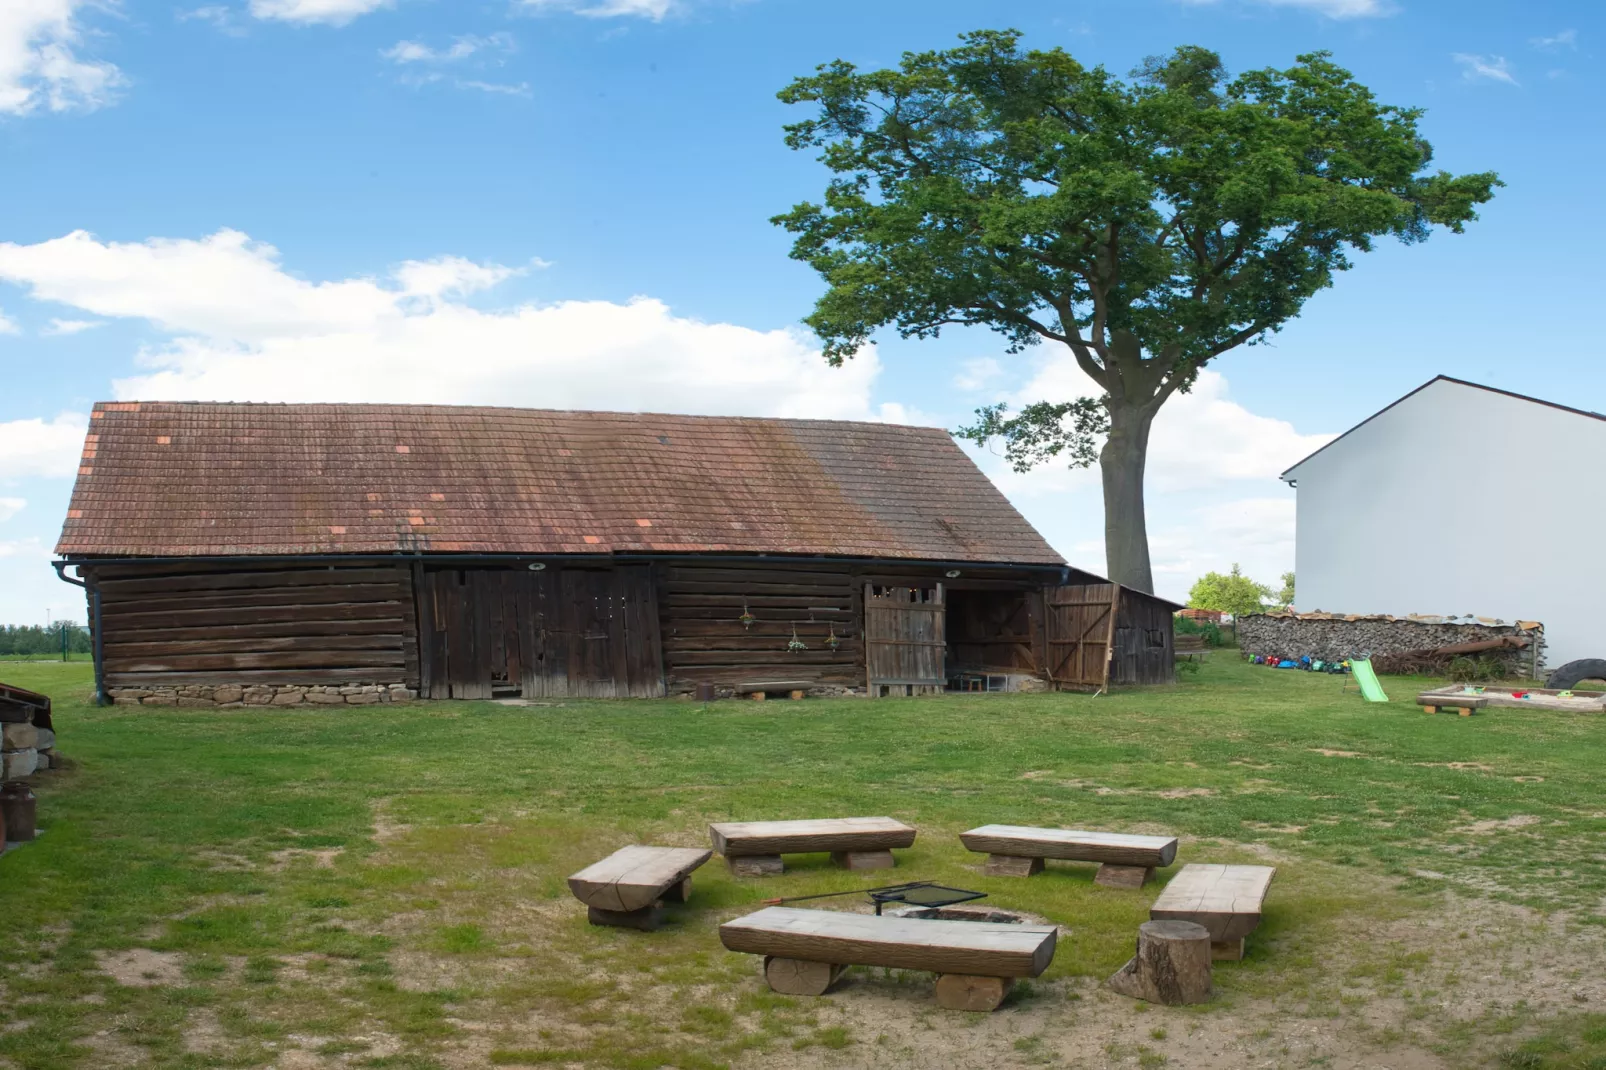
[1079,632]
[904,642]
[554,633]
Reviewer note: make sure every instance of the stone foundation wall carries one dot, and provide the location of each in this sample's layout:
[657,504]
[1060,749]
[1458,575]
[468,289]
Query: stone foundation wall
[233,696]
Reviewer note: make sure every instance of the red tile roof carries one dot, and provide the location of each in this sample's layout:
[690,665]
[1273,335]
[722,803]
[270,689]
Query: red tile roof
[191,478]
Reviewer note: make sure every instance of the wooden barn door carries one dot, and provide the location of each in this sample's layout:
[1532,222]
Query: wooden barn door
[1079,622]
[555,633]
[903,640]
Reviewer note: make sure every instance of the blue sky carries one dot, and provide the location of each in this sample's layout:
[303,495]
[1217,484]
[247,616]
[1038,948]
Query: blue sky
[565,203]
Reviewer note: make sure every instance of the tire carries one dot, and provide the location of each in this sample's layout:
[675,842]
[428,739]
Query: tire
[1568,676]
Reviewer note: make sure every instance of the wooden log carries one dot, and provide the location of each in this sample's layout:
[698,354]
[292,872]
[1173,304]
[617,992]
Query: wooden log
[647,919]
[678,893]
[1227,950]
[1112,876]
[757,696]
[796,696]
[1172,965]
[756,865]
[822,834]
[1012,866]
[799,977]
[634,877]
[965,947]
[1226,900]
[1078,845]
[863,860]
[967,992]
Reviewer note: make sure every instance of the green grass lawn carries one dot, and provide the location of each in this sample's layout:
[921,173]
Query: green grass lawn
[383,886]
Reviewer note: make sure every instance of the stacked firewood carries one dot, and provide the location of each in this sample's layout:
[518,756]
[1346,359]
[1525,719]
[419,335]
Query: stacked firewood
[27,736]
[1395,644]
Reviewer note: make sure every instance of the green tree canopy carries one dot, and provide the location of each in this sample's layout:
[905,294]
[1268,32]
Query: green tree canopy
[1285,597]
[1233,593]
[1148,226]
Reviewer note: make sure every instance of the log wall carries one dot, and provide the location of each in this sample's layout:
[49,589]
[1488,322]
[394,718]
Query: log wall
[166,625]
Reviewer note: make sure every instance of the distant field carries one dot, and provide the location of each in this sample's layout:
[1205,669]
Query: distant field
[383,886]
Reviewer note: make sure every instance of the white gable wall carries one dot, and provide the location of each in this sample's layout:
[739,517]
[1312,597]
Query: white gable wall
[1459,500]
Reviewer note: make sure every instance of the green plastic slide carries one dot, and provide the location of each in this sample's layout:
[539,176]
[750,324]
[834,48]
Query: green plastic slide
[1370,688]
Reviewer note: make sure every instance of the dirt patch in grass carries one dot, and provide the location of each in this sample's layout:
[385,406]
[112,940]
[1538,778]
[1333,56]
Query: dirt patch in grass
[141,967]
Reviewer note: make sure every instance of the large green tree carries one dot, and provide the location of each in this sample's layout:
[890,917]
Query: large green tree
[1148,226]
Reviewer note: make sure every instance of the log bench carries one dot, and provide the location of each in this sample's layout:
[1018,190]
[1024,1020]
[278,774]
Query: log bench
[1128,861]
[805,951]
[1432,702]
[1226,900]
[754,848]
[630,886]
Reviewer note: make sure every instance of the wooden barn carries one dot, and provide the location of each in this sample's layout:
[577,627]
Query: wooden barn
[286,553]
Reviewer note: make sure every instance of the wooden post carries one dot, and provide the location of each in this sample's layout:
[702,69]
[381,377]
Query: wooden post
[799,977]
[756,865]
[863,859]
[1112,876]
[797,696]
[965,992]
[757,696]
[647,919]
[1172,964]
[1012,866]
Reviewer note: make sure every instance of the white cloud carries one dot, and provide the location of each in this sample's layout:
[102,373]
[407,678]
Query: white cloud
[1567,39]
[1333,9]
[1494,68]
[61,326]
[330,12]
[38,447]
[606,9]
[245,329]
[461,48]
[8,325]
[219,16]
[978,373]
[39,64]
[10,507]
[1199,439]
[510,89]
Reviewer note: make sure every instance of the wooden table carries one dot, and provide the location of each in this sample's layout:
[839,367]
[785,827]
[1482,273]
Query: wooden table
[629,887]
[754,848]
[1226,900]
[976,962]
[1127,861]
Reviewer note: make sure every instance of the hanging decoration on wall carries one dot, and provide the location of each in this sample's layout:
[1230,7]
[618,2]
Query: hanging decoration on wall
[796,644]
[832,640]
[746,618]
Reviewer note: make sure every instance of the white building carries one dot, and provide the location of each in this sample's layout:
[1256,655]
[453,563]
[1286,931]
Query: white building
[1458,499]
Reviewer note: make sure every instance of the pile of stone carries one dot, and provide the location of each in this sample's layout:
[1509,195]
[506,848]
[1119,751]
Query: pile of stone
[27,737]
[234,696]
[1332,637]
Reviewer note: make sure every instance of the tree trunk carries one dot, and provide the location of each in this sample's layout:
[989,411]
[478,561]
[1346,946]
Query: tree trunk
[1121,462]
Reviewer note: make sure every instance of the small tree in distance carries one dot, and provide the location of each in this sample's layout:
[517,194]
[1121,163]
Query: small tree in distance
[1285,597]
[1233,593]
[1147,226]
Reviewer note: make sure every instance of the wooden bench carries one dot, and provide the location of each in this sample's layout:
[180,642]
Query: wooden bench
[805,951]
[629,887]
[1018,851]
[1434,701]
[754,848]
[1226,900]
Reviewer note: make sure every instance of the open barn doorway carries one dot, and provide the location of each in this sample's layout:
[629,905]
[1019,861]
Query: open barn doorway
[993,639]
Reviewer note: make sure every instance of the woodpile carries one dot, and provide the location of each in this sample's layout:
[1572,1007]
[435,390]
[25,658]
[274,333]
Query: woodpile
[27,745]
[1395,644]
[233,696]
